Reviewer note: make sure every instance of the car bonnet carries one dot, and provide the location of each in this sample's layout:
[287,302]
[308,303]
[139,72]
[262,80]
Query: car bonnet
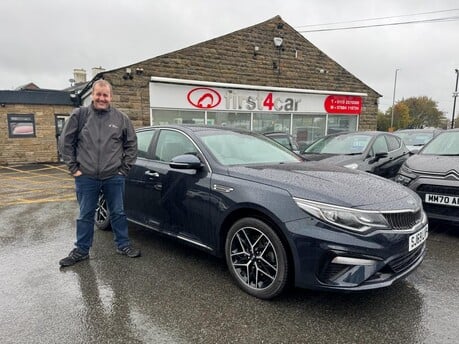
[433,163]
[320,182]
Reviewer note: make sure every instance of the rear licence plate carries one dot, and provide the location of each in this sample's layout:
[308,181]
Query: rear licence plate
[442,199]
[416,239]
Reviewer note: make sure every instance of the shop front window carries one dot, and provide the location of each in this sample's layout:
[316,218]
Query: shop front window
[340,123]
[21,125]
[239,120]
[269,122]
[161,117]
[308,128]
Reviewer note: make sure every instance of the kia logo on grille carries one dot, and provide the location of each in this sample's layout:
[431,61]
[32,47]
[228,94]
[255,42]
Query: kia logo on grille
[204,98]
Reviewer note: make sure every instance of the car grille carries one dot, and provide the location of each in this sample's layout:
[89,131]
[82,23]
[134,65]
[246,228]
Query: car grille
[438,189]
[442,210]
[403,220]
[403,262]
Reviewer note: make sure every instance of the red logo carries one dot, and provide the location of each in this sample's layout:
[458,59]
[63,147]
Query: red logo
[350,105]
[204,98]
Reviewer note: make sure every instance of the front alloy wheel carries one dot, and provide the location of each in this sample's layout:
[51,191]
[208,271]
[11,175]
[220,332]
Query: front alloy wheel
[256,258]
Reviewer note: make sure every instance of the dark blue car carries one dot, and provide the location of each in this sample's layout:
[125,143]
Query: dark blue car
[276,218]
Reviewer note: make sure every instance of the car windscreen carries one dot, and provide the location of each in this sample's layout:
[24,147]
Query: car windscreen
[238,148]
[446,143]
[341,144]
[415,138]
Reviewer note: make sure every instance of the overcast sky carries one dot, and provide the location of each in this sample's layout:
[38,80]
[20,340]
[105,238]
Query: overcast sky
[44,40]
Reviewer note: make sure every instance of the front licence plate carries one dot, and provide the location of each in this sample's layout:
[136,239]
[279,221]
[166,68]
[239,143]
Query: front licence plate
[416,239]
[442,199]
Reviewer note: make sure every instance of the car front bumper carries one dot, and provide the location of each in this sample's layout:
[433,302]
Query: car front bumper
[330,258]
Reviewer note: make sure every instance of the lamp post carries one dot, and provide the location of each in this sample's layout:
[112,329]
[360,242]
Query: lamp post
[393,101]
[455,96]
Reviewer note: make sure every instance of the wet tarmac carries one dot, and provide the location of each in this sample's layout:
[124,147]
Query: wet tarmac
[176,294]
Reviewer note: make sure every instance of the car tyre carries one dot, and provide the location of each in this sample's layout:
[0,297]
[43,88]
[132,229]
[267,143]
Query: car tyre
[102,217]
[256,258]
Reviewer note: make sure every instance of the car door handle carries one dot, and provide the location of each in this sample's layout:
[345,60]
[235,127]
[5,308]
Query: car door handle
[152,174]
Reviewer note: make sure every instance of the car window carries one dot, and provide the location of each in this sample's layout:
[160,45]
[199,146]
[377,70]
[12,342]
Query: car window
[379,146]
[171,144]
[231,148]
[341,144]
[144,139]
[443,144]
[393,142]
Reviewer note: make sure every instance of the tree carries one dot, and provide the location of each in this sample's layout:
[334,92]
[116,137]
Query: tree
[417,112]
[382,122]
[424,112]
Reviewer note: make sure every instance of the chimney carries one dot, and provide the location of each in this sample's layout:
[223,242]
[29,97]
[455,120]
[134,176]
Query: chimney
[79,75]
[97,70]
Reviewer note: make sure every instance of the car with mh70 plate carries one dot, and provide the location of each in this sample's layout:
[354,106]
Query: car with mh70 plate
[275,218]
[433,173]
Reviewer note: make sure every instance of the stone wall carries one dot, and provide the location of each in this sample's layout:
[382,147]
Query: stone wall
[43,147]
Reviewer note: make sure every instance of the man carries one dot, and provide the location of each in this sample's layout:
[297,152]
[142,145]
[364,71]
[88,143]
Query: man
[99,146]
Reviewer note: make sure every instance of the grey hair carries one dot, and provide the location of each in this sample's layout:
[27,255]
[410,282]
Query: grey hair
[102,82]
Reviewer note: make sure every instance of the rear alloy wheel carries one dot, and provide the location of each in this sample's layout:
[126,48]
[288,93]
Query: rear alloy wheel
[256,258]
[102,217]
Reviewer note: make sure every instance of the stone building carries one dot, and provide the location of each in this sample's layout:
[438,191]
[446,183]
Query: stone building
[266,77]
[30,121]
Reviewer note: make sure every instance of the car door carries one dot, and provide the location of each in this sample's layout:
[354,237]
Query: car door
[398,153]
[378,156]
[176,201]
[135,181]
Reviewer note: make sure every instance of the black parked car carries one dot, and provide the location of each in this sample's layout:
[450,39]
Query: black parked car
[376,152]
[415,139]
[284,139]
[274,217]
[434,174]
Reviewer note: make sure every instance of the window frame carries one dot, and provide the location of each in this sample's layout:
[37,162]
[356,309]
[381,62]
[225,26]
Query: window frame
[20,119]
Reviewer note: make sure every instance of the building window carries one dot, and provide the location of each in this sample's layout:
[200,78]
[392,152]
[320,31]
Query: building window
[240,120]
[21,125]
[269,122]
[340,123]
[162,117]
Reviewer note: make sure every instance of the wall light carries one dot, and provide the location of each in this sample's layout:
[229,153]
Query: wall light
[256,49]
[278,41]
[128,74]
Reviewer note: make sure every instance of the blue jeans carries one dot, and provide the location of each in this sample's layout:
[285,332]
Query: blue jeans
[87,192]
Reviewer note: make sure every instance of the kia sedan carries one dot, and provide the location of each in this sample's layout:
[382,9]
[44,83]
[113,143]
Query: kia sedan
[433,174]
[275,218]
[375,152]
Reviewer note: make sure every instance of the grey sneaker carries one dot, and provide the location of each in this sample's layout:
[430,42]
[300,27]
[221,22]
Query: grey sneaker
[129,251]
[74,257]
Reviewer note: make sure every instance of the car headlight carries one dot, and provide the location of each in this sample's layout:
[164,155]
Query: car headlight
[405,175]
[352,166]
[352,219]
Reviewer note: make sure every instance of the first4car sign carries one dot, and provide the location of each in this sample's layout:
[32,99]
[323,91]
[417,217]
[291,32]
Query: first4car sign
[171,95]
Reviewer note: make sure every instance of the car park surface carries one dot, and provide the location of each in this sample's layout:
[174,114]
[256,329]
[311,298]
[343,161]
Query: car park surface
[174,294]
[433,173]
[375,152]
[239,195]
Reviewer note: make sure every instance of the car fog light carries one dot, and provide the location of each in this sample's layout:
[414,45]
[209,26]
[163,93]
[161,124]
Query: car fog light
[352,261]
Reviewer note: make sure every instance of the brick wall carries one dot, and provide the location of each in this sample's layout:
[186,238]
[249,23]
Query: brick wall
[43,147]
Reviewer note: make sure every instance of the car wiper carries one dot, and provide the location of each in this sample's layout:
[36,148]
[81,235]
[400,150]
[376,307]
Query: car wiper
[352,153]
[448,154]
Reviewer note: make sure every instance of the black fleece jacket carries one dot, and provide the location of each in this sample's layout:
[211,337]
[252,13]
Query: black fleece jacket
[105,146]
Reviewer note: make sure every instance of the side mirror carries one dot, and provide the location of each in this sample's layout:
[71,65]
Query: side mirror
[378,156]
[186,162]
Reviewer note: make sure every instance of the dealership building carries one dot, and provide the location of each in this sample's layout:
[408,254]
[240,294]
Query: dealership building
[267,77]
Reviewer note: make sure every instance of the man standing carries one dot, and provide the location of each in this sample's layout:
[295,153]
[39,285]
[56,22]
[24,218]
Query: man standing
[99,146]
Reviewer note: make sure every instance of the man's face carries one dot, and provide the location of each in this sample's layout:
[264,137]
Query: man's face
[101,97]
